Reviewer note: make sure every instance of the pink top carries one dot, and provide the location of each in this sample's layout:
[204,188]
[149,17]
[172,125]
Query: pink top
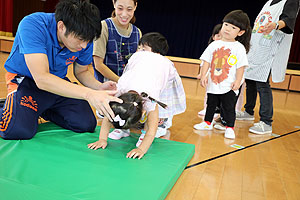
[146,72]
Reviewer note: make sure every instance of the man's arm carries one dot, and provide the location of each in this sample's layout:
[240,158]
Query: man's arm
[39,68]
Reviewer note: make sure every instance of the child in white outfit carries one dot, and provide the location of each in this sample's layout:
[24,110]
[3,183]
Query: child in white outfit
[225,60]
[152,77]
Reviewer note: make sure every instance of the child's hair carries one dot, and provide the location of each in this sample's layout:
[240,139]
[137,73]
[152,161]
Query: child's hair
[80,18]
[156,41]
[133,19]
[129,112]
[216,31]
[241,20]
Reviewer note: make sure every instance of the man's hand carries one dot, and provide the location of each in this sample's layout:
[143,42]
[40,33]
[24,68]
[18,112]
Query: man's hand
[100,99]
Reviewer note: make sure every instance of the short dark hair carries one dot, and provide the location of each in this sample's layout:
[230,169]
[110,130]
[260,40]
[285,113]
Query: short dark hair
[156,41]
[130,110]
[215,31]
[80,18]
[240,19]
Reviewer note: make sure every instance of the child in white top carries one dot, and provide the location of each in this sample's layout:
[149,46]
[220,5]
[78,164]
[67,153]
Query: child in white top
[225,60]
[146,76]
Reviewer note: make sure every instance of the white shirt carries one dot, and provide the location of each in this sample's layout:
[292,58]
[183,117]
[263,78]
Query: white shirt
[224,58]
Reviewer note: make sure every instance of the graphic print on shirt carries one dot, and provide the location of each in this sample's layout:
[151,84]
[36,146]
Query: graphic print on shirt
[261,21]
[221,63]
[71,60]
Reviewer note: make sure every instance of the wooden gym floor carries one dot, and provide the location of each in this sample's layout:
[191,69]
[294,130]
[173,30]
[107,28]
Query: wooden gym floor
[266,168]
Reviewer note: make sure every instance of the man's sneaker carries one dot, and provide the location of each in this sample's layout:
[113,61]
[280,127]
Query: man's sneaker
[229,133]
[160,132]
[244,116]
[219,126]
[140,140]
[119,133]
[203,126]
[99,115]
[261,128]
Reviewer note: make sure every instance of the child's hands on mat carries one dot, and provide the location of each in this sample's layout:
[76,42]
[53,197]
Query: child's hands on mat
[98,144]
[135,153]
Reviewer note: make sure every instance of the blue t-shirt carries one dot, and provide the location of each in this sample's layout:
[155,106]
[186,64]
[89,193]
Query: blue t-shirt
[37,33]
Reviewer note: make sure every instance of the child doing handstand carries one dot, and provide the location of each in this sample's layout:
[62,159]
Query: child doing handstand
[146,77]
[225,60]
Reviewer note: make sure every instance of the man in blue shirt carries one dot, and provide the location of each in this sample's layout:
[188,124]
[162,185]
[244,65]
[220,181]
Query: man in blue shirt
[45,45]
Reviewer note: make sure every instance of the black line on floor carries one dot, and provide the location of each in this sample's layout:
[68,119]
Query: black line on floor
[231,152]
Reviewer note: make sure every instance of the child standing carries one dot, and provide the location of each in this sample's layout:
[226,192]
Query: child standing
[225,60]
[147,76]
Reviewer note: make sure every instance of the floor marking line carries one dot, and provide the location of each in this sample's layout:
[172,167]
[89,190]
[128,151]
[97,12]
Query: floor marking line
[231,152]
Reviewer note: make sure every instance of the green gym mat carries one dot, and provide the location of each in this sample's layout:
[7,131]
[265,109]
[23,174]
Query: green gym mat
[57,165]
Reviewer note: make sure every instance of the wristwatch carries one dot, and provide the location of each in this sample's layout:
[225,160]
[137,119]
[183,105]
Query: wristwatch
[277,26]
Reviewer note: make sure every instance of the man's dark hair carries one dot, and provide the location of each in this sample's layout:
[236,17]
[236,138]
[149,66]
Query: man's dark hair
[156,41]
[80,18]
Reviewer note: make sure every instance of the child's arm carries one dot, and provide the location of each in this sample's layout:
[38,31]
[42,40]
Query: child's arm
[152,123]
[203,72]
[104,131]
[238,78]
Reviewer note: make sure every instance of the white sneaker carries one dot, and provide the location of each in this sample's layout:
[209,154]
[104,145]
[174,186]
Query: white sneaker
[119,133]
[99,115]
[229,133]
[202,112]
[203,126]
[160,132]
[140,140]
[168,123]
[220,126]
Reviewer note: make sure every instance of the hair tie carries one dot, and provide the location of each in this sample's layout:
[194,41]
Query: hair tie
[120,120]
[135,103]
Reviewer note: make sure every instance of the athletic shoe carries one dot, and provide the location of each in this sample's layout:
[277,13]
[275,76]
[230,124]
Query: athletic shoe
[160,132]
[220,126]
[261,128]
[203,126]
[229,133]
[202,112]
[119,133]
[140,140]
[99,115]
[244,116]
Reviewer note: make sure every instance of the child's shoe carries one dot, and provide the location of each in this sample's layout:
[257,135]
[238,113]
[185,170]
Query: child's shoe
[202,112]
[229,133]
[119,133]
[203,126]
[140,140]
[219,126]
[160,132]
